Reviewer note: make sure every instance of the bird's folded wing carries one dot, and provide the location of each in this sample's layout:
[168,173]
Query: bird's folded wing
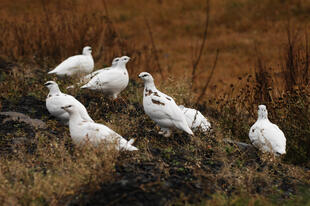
[69,64]
[275,135]
[100,131]
[253,134]
[93,74]
[57,101]
[105,78]
[165,107]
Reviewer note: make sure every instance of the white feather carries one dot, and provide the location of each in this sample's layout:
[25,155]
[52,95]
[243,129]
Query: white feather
[162,108]
[83,131]
[265,135]
[91,75]
[195,119]
[76,64]
[56,99]
[88,77]
[110,81]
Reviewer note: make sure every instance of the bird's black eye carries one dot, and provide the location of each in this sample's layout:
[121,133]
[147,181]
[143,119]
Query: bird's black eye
[144,75]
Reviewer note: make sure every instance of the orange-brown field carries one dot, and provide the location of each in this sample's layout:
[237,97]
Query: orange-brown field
[241,30]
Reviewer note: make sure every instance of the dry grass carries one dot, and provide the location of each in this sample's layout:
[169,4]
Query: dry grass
[52,172]
[33,173]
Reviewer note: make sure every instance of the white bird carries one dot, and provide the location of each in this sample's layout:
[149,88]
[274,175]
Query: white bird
[195,119]
[91,75]
[161,108]
[77,64]
[88,77]
[111,81]
[82,131]
[56,99]
[265,135]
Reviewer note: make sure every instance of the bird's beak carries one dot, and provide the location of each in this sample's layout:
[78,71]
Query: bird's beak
[65,107]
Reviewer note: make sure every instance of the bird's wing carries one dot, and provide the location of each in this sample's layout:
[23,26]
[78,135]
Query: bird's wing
[255,135]
[69,64]
[276,137]
[104,79]
[202,121]
[194,115]
[189,115]
[55,102]
[163,106]
[97,132]
[93,74]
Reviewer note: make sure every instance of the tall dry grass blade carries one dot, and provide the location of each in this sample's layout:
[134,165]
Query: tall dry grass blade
[202,46]
[154,46]
[204,89]
[263,81]
[306,67]
[296,59]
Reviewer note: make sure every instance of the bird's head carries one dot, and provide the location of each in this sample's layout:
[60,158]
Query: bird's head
[146,77]
[50,84]
[69,108]
[115,61]
[124,59]
[87,50]
[262,112]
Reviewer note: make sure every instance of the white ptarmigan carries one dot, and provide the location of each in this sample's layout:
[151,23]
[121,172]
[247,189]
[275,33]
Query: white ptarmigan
[195,119]
[56,99]
[111,81]
[161,108]
[91,75]
[82,131]
[88,77]
[78,64]
[265,135]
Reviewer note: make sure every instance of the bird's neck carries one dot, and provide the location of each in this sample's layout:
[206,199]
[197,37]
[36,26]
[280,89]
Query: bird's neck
[149,86]
[262,117]
[122,66]
[54,90]
[87,54]
[75,118]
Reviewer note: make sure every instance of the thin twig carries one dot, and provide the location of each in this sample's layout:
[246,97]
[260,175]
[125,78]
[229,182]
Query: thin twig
[306,68]
[204,39]
[204,89]
[154,46]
